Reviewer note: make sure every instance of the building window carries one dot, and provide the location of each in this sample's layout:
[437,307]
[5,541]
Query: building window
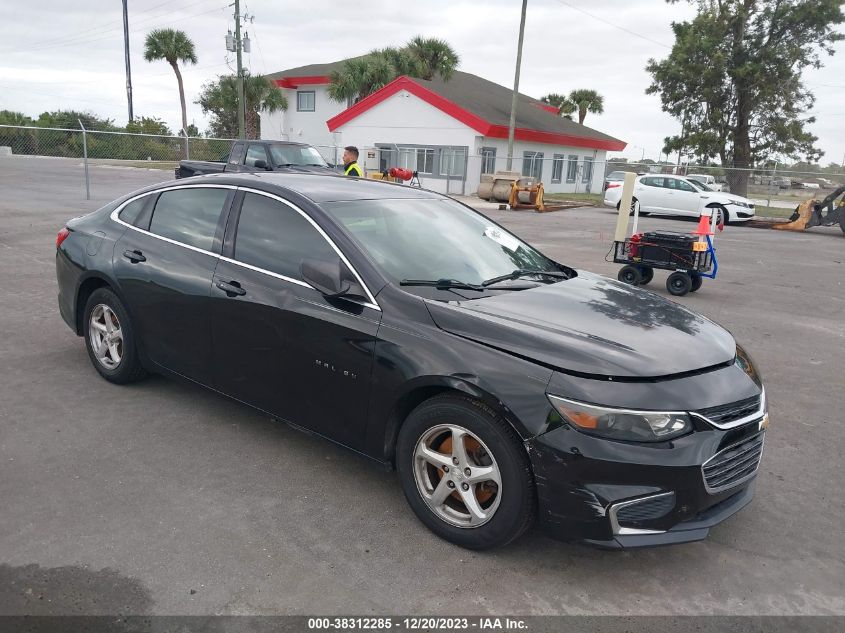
[488,160]
[305,101]
[587,175]
[572,168]
[532,165]
[418,159]
[452,162]
[557,168]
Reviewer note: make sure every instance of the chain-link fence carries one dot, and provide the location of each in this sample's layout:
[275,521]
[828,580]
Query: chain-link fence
[572,173]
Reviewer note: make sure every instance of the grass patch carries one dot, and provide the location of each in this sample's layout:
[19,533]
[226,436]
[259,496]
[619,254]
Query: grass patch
[138,164]
[595,198]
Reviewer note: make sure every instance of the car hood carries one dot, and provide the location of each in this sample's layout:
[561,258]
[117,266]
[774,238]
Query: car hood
[720,196]
[307,169]
[591,325]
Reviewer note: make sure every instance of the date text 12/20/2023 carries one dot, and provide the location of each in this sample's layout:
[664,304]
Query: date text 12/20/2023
[416,624]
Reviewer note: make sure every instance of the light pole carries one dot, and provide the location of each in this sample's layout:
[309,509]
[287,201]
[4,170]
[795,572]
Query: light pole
[512,123]
[126,55]
[241,131]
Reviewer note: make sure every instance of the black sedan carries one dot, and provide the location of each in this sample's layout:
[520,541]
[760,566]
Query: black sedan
[505,388]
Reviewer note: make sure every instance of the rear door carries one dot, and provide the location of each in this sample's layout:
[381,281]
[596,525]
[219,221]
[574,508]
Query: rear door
[164,264]
[278,343]
[649,191]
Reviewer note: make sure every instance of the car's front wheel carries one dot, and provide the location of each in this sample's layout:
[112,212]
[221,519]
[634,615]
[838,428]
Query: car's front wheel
[109,338]
[464,472]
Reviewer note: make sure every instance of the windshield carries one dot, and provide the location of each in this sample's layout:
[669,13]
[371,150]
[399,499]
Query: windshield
[296,155]
[698,184]
[435,239]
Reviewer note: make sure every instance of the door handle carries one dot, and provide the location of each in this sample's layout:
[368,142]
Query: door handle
[134,256]
[231,288]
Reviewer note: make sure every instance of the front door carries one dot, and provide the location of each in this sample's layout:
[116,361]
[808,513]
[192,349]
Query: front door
[164,268]
[279,344]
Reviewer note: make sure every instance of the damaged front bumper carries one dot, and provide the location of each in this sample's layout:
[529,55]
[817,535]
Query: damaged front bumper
[625,495]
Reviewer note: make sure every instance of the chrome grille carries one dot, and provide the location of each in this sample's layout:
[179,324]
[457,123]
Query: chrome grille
[647,509]
[733,465]
[727,413]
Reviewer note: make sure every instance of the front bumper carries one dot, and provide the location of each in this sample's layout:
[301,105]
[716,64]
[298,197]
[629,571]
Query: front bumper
[620,495]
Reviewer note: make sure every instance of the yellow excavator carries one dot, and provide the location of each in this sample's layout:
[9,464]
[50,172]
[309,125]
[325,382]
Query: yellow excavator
[813,212]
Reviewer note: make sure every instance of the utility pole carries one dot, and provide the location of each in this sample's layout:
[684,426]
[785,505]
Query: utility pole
[241,130]
[512,123]
[126,55]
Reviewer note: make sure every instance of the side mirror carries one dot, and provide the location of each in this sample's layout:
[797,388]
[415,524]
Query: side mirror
[261,164]
[327,277]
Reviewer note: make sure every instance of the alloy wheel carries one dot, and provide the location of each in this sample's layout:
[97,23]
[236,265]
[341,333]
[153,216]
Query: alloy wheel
[457,476]
[106,336]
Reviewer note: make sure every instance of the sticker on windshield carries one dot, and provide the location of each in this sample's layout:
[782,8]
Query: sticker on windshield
[500,237]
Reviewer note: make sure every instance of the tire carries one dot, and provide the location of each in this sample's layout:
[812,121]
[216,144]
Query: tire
[719,209]
[647,274]
[697,280]
[503,512]
[118,362]
[678,284]
[630,275]
[634,204]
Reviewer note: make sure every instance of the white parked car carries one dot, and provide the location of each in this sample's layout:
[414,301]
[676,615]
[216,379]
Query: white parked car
[678,195]
[708,181]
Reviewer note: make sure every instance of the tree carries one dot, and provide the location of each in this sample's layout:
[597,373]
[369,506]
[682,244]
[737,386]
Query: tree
[434,57]
[424,58]
[733,79]
[220,99]
[587,101]
[148,125]
[565,107]
[173,46]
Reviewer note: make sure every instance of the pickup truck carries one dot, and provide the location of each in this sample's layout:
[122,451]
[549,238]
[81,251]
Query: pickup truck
[253,156]
[709,181]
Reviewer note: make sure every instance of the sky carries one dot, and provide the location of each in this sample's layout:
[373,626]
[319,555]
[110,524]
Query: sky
[70,54]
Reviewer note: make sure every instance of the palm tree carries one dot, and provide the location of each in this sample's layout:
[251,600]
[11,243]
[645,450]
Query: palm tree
[421,57]
[565,107]
[587,101]
[220,98]
[435,57]
[172,46]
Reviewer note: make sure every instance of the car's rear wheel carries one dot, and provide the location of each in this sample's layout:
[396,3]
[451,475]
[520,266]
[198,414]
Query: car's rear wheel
[109,338]
[464,472]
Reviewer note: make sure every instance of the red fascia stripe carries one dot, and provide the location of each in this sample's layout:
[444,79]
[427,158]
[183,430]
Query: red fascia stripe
[295,82]
[553,138]
[547,107]
[485,128]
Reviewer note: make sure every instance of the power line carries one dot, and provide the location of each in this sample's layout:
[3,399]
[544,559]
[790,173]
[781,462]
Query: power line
[609,23]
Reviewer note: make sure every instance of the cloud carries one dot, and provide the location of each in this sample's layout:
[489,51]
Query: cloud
[71,54]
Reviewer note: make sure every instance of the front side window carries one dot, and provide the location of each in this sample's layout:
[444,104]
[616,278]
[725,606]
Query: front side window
[255,153]
[557,168]
[274,237]
[305,101]
[189,216]
[572,168]
[434,239]
[683,185]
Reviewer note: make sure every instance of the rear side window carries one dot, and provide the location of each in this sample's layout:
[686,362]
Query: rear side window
[255,153]
[237,155]
[131,211]
[274,237]
[189,216]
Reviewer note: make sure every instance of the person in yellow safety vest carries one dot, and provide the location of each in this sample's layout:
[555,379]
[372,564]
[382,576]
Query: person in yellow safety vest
[350,162]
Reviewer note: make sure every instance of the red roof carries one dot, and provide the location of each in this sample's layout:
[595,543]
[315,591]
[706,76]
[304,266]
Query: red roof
[484,106]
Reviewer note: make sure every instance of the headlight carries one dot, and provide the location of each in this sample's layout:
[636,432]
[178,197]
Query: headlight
[623,424]
[736,203]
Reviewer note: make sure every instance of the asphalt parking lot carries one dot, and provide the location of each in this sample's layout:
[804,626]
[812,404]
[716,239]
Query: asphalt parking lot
[163,498]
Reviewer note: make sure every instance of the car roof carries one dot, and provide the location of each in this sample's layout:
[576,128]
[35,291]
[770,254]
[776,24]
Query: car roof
[316,187]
